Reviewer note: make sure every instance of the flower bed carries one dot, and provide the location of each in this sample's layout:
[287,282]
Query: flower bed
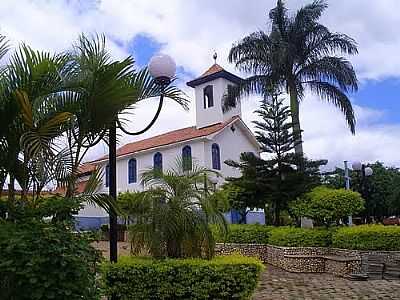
[225,277]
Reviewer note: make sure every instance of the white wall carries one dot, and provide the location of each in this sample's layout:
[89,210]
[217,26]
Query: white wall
[144,161]
[231,145]
[212,115]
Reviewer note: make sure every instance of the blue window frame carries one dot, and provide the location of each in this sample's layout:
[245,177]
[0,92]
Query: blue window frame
[187,158]
[132,171]
[157,161]
[107,176]
[216,157]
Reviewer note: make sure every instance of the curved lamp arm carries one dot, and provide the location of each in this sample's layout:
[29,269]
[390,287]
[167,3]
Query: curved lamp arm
[150,124]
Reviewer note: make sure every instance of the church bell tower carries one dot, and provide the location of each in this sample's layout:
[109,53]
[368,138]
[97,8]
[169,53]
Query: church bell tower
[209,90]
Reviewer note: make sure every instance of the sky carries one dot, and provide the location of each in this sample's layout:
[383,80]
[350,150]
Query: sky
[191,30]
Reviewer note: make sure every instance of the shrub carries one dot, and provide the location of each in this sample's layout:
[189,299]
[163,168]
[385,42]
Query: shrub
[326,205]
[45,261]
[244,234]
[228,277]
[368,237]
[300,237]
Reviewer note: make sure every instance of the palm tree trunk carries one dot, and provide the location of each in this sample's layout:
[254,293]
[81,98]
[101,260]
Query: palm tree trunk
[294,107]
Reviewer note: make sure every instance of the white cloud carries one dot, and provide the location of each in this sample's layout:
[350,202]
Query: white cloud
[191,30]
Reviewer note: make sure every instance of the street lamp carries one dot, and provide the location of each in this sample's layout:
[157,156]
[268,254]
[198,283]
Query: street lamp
[361,169]
[162,68]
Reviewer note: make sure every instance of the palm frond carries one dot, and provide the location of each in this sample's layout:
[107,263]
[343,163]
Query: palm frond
[335,96]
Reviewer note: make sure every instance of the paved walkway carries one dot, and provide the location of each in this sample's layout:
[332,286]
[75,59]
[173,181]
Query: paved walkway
[277,284]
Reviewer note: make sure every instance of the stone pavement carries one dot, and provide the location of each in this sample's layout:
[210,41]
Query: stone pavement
[277,284]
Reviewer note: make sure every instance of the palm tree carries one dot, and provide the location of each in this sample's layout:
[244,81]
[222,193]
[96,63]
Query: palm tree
[298,53]
[172,216]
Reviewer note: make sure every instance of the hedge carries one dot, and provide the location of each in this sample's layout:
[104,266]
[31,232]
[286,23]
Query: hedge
[368,237]
[244,234]
[300,237]
[225,277]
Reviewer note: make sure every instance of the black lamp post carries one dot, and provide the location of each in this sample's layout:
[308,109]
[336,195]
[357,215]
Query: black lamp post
[162,68]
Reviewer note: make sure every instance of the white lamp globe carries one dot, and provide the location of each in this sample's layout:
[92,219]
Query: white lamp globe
[357,166]
[162,67]
[368,171]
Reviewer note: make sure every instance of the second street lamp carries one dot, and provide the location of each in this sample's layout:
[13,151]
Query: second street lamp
[162,68]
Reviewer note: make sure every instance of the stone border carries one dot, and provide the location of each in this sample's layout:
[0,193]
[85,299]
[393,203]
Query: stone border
[335,261]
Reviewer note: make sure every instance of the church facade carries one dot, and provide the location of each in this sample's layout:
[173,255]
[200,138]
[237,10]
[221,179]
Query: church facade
[217,136]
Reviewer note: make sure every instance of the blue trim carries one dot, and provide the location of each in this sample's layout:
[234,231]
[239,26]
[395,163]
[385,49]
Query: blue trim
[89,223]
[132,170]
[157,161]
[216,157]
[187,158]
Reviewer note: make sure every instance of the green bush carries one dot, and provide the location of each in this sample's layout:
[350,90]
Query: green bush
[325,205]
[300,237]
[227,277]
[368,237]
[244,234]
[45,261]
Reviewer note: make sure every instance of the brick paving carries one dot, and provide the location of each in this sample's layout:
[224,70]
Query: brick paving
[277,284]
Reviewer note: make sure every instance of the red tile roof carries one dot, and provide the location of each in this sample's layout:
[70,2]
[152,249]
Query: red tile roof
[79,189]
[171,137]
[215,68]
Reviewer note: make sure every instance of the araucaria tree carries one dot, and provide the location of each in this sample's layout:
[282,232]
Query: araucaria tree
[298,53]
[277,179]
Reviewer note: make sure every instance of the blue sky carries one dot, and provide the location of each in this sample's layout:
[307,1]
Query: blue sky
[190,31]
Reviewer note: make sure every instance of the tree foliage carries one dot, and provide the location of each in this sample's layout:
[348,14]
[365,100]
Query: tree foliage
[277,180]
[295,54]
[326,205]
[381,190]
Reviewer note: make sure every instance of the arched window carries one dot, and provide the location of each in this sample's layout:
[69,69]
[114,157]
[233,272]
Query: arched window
[132,171]
[157,161]
[208,96]
[107,176]
[216,157]
[187,158]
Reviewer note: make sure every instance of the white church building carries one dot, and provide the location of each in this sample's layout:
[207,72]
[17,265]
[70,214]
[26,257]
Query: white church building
[216,137]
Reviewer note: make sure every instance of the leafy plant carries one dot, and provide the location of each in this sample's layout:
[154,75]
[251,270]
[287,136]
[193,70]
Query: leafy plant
[46,261]
[229,277]
[325,205]
[172,216]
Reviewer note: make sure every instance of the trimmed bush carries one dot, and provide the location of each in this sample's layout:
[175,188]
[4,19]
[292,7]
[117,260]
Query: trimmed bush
[225,277]
[244,234]
[46,261]
[368,237]
[300,237]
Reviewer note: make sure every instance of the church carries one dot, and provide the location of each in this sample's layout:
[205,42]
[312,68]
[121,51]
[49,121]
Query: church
[217,136]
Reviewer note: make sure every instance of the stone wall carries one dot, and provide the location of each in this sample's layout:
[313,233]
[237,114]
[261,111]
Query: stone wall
[310,259]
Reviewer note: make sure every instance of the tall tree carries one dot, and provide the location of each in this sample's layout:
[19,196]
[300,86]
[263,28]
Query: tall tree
[277,179]
[296,53]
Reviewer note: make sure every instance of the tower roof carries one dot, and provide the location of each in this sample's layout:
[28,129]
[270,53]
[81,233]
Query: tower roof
[214,72]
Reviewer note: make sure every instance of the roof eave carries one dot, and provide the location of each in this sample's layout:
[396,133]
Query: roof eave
[221,74]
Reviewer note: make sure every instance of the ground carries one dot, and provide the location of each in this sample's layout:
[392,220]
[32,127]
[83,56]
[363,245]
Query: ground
[277,284]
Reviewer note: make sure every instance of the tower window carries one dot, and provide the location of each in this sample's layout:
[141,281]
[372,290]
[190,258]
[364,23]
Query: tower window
[187,158]
[157,161]
[208,96]
[216,157]
[107,176]
[132,171]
